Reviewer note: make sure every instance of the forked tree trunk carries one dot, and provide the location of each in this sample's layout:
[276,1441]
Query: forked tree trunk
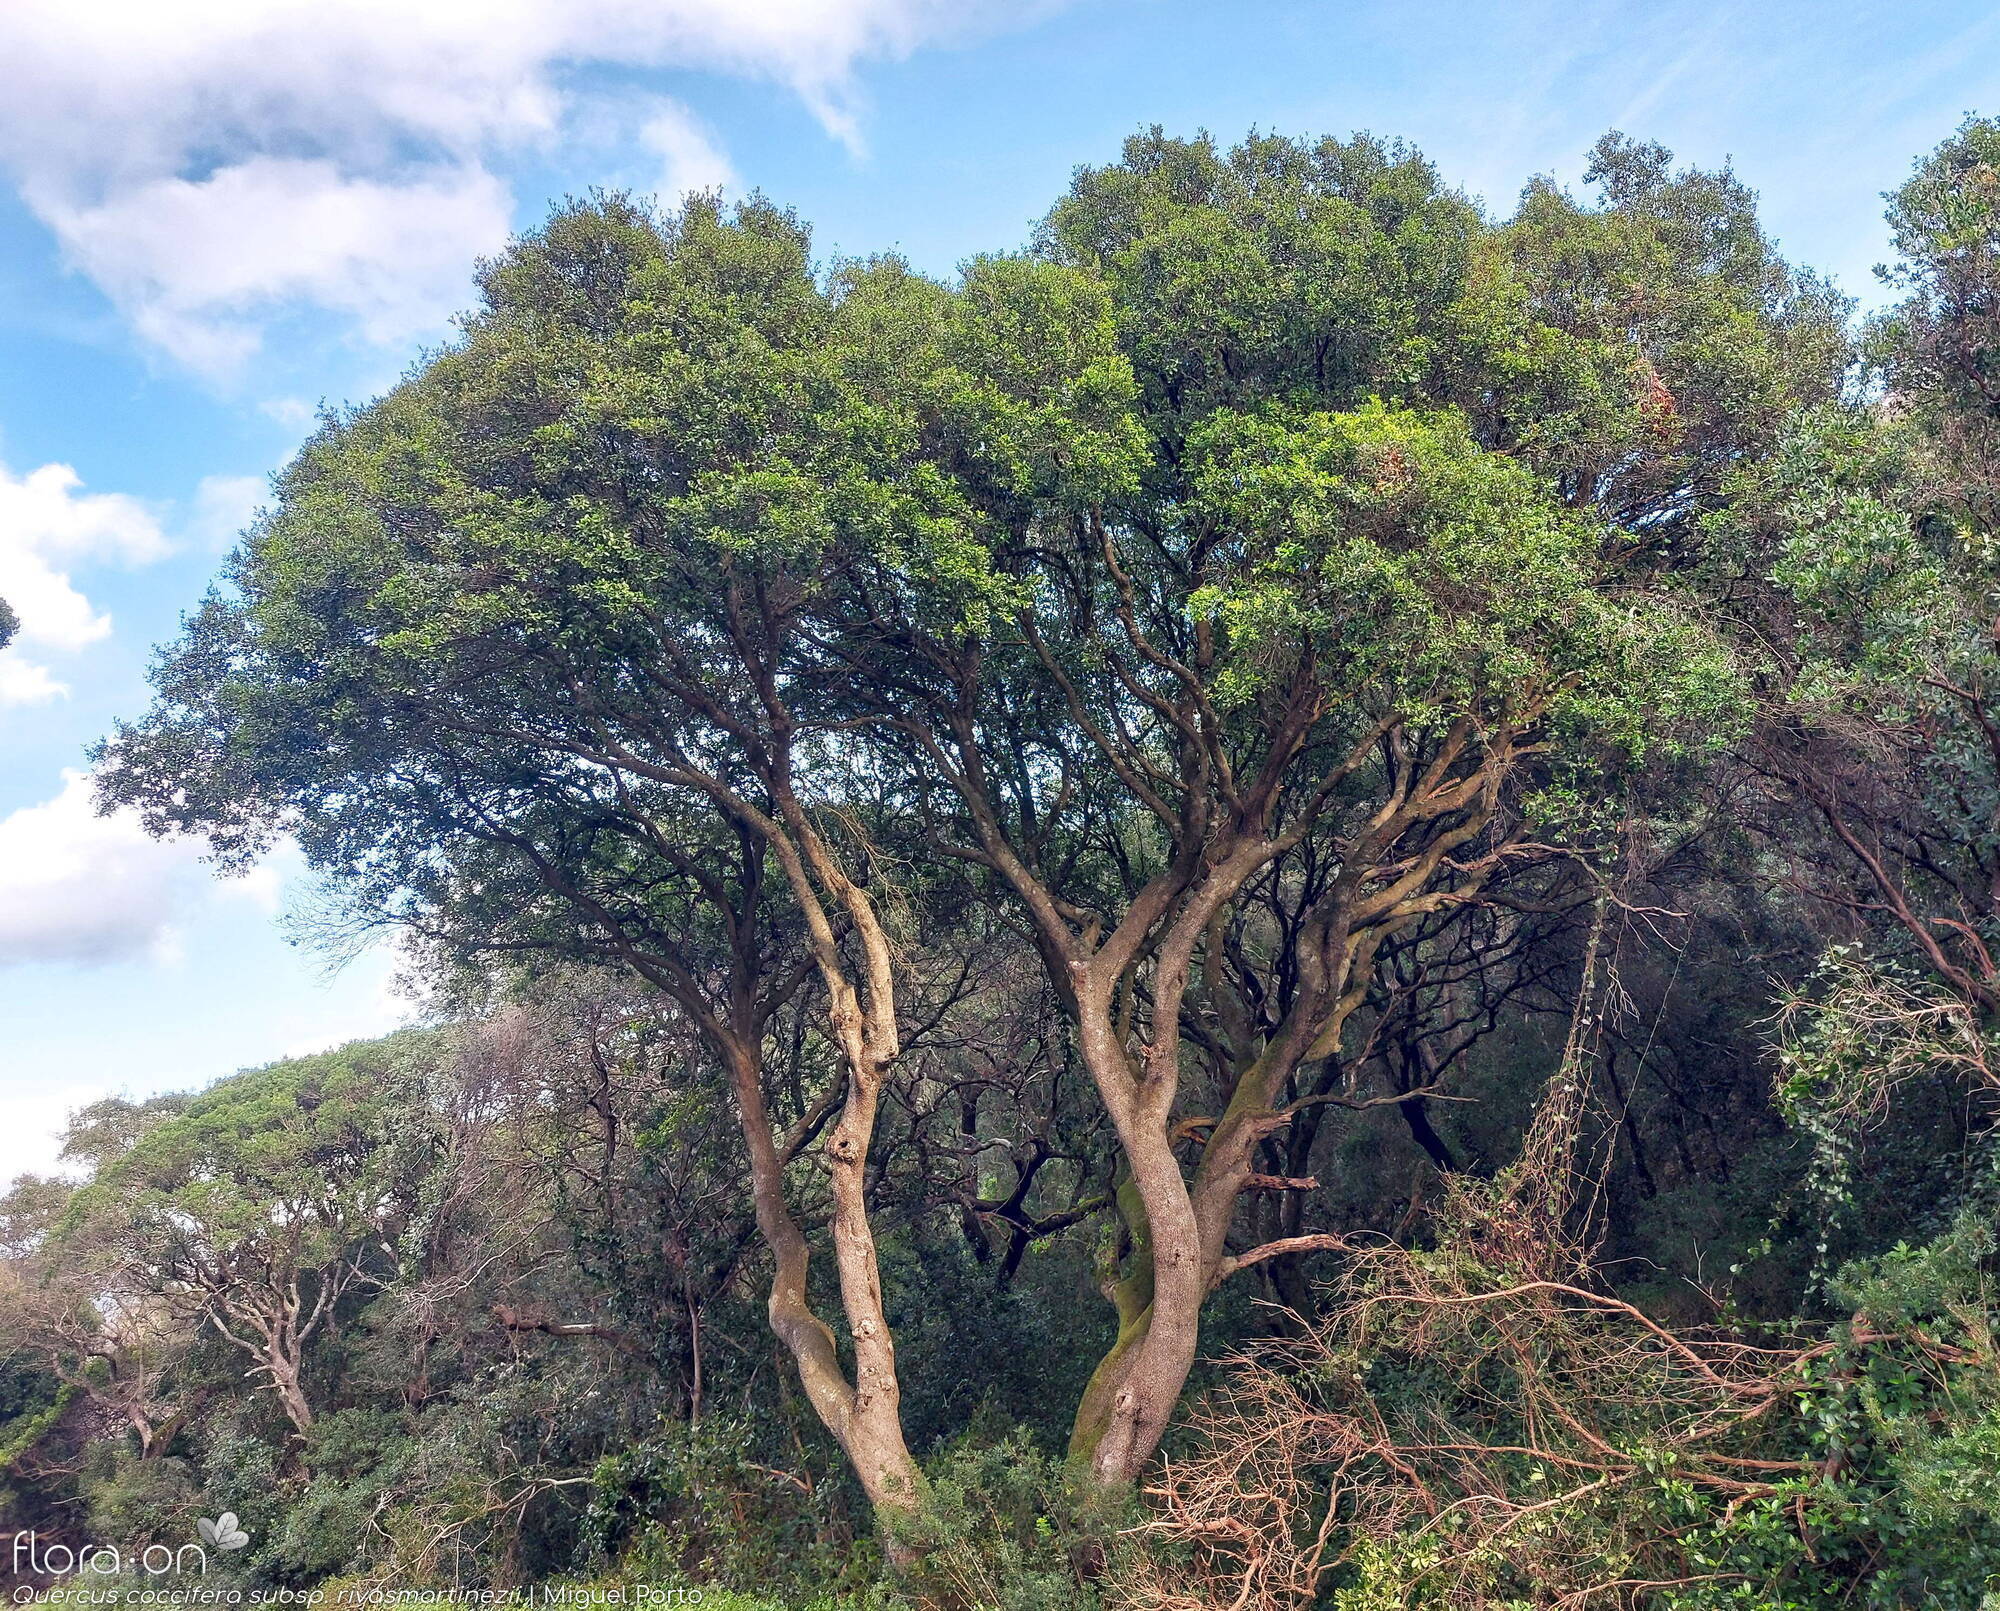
[1136,1388]
[861,1013]
[863,1415]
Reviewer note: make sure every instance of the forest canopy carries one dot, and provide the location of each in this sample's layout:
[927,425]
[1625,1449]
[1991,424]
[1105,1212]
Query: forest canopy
[1287,901]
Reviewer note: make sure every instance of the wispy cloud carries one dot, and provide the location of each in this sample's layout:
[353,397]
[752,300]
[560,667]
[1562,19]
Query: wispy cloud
[224,505]
[214,164]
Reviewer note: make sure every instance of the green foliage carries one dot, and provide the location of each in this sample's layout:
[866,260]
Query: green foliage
[356,1456]
[1279,267]
[694,1504]
[1901,1422]
[137,1503]
[1025,1366]
[1938,348]
[1890,604]
[301,1133]
[26,1425]
[1438,577]
[1272,490]
[1005,1527]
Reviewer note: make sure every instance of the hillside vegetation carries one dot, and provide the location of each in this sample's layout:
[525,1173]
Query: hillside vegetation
[1291,901]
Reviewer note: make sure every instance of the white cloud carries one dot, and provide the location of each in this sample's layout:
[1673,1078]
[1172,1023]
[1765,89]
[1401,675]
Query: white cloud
[197,262]
[214,163]
[48,528]
[689,157]
[224,505]
[294,413]
[77,887]
[31,1125]
[22,682]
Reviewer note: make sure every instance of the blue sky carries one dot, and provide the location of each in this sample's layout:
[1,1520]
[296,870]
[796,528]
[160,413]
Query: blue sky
[216,214]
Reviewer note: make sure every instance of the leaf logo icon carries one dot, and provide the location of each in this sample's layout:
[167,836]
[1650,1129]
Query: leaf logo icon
[223,1532]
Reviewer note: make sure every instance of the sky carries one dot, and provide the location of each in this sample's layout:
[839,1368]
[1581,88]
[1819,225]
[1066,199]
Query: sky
[219,216]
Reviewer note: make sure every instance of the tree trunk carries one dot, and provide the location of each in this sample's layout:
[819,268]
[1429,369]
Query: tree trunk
[863,1416]
[1132,1395]
[283,1369]
[861,1013]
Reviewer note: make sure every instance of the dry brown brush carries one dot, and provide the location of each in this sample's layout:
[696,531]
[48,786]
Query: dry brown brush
[1482,1423]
